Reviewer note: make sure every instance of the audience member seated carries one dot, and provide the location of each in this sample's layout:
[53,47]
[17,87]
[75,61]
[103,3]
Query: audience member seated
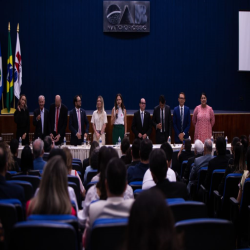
[12,165]
[53,196]
[71,171]
[236,164]
[85,163]
[245,175]
[38,162]
[7,190]
[48,146]
[198,152]
[218,162]
[26,160]
[58,151]
[148,181]
[98,191]
[151,224]
[14,151]
[93,161]
[158,167]
[137,172]
[125,146]
[244,141]
[199,163]
[135,153]
[115,206]
[184,155]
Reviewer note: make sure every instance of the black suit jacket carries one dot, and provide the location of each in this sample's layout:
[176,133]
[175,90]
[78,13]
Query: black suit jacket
[172,189]
[38,124]
[62,122]
[137,126]
[157,119]
[73,125]
[11,191]
[219,162]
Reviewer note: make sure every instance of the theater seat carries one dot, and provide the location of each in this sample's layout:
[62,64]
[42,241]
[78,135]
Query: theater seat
[108,234]
[8,218]
[34,180]
[27,187]
[135,185]
[188,210]
[206,234]
[47,235]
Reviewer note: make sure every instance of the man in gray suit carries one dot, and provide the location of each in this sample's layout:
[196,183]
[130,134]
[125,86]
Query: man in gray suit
[115,206]
[199,163]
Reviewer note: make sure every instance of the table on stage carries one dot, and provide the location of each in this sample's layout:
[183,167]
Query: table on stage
[82,152]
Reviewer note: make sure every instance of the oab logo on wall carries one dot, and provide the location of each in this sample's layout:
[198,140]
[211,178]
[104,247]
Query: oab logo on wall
[126,16]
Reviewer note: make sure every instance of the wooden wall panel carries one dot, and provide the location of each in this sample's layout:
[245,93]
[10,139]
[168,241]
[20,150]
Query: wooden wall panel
[231,124]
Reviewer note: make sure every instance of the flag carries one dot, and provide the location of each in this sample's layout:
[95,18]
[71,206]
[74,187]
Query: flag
[9,84]
[18,69]
[1,75]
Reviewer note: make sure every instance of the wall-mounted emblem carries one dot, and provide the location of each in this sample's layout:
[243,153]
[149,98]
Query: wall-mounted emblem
[126,16]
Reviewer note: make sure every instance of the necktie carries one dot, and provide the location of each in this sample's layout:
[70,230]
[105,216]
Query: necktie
[181,119]
[79,121]
[57,115]
[162,119]
[142,119]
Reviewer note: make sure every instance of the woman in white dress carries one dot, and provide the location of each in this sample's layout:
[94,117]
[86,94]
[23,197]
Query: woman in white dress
[99,121]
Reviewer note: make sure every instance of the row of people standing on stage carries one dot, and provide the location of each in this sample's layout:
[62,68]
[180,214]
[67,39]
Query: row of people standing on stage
[54,121]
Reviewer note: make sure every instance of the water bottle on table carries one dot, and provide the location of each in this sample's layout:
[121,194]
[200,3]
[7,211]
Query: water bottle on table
[169,140]
[64,141]
[119,141]
[20,142]
[100,141]
[226,139]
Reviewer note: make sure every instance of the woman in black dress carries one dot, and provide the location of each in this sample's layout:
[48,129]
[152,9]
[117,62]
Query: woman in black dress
[22,119]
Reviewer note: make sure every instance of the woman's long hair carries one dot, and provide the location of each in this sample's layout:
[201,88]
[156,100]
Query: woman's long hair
[239,158]
[25,105]
[151,223]
[26,159]
[53,195]
[122,105]
[105,155]
[68,159]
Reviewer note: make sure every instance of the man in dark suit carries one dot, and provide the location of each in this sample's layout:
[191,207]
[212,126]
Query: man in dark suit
[58,118]
[41,119]
[77,122]
[218,162]
[162,121]
[158,167]
[8,190]
[141,124]
[181,120]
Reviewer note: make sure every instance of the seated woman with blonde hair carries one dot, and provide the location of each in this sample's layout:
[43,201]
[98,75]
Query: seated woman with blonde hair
[71,171]
[53,195]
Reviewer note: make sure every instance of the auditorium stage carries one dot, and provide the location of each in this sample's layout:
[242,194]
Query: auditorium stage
[233,123]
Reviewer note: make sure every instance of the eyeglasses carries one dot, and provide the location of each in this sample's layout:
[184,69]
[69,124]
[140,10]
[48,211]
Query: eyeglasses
[182,98]
[79,100]
[143,103]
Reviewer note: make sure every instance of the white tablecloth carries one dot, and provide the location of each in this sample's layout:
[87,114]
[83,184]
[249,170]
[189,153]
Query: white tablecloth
[82,152]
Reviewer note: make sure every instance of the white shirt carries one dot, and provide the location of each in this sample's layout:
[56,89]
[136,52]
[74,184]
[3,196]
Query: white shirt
[99,119]
[58,116]
[42,119]
[92,195]
[120,117]
[78,118]
[163,118]
[148,181]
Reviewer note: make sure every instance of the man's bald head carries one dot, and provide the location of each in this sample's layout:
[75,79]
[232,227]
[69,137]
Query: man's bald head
[142,104]
[58,100]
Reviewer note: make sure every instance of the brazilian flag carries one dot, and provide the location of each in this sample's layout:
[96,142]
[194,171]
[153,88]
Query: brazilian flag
[9,84]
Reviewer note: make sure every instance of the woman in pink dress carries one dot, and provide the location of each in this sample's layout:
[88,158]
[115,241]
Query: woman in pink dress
[203,120]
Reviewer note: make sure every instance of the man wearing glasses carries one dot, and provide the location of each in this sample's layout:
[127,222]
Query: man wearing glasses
[181,120]
[141,124]
[77,122]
